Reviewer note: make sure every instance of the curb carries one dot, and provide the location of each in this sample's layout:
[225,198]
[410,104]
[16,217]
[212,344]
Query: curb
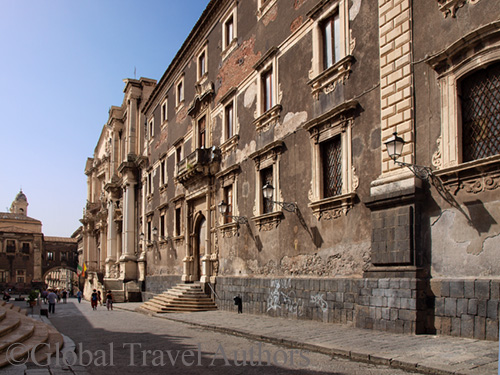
[333,352]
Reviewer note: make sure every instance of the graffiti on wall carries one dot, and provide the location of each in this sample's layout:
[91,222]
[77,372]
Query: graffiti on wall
[283,297]
[319,300]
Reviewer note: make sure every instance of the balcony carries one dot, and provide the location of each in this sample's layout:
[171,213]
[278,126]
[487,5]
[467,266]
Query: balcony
[200,163]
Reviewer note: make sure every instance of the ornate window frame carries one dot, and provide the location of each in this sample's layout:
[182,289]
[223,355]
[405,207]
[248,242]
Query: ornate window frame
[321,79]
[229,46]
[264,119]
[202,69]
[336,122]
[268,156]
[229,143]
[229,177]
[477,49]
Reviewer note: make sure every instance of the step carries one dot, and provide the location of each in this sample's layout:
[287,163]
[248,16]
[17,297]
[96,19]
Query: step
[9,323]
[38,336]
[24,331]
[180,298]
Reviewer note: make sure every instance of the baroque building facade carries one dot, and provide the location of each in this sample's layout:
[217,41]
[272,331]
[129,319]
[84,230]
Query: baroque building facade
[301,97]
[27,257]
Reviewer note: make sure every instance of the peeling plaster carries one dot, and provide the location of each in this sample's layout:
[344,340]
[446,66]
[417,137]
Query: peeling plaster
[458,250]
[353,12]
[250,95]
[291,123]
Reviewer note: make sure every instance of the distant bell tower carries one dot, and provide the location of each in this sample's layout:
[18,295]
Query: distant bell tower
[20,204]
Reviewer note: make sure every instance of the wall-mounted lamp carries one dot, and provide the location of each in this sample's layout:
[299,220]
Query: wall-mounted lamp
[268,191]
[239,219]
[395,149]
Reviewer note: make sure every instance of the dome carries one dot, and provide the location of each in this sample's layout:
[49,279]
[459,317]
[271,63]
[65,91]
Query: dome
[21,197]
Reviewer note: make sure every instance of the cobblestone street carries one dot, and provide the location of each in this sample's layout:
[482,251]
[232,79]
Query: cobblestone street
[125,342]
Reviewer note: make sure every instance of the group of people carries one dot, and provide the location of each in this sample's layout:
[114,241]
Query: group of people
[96,299]
[60,294]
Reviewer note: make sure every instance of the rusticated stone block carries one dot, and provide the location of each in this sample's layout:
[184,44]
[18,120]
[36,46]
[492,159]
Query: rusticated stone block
[467,326]
[457,289]
[482,289]
[450,307]
[491,329]
[479,328]
[472,307]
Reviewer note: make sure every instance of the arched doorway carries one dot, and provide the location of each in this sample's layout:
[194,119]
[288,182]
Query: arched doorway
[200,241]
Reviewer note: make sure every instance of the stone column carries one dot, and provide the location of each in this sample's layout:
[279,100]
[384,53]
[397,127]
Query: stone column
[111,245]
[188,259]
[128,259]
[205,260]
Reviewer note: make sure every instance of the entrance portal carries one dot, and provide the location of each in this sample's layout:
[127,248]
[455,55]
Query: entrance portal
[199,245]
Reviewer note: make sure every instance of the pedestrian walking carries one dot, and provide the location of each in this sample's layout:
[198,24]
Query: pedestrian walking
[93,300]
[109,300]
[52,299]
[64,295]
[45,293]
[99,299]
[79,296]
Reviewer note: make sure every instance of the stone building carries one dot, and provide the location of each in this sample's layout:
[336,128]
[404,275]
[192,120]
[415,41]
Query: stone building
[26,255]
[301,97]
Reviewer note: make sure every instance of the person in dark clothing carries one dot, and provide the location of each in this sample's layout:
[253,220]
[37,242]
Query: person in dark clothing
[239,302]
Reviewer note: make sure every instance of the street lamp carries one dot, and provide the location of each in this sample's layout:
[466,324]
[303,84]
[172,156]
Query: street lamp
[239,219]
[395,148]
[268,191]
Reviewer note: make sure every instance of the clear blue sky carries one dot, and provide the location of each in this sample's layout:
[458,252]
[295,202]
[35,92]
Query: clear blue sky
[62,65]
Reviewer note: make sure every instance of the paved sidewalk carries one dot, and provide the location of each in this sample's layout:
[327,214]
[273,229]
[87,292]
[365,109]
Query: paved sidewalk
[422,353]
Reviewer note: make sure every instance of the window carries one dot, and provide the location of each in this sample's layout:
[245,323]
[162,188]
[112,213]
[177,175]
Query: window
[164,112]
[480,108]
[332,59]
[149,228]
[163,223]
[150,129]
[20,276]
[266,177]
[268,107]
[179,92]
[267,91]
[331,159]
[4,276]
[229,123]
[202,65]
[333,179]
[267,163]
[330,28]
[228,199]
[163,172]
[229,120]
[149,183]
[64,256]
[469,81]
[202,62]
[229,32]
[26,248]
[178,221]
[11,246]
[50,255]
[202,132]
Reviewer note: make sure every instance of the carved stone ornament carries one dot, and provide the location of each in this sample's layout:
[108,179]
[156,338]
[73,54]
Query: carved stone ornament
[437,159]
[450,7]
[355,179]
[482,184]
[332,214]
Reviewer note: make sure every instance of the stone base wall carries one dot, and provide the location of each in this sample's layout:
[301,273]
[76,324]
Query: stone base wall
[158,284]
[399,305]
[465,308]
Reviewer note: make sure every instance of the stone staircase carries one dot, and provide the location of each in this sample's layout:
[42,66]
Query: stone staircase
[17,328]
[180,298]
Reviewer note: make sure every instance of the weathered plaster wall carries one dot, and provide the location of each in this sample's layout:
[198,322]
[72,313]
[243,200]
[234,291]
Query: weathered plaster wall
[460,249]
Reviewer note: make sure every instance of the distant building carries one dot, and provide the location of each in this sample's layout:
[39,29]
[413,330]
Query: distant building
[301,97]
[26,256]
